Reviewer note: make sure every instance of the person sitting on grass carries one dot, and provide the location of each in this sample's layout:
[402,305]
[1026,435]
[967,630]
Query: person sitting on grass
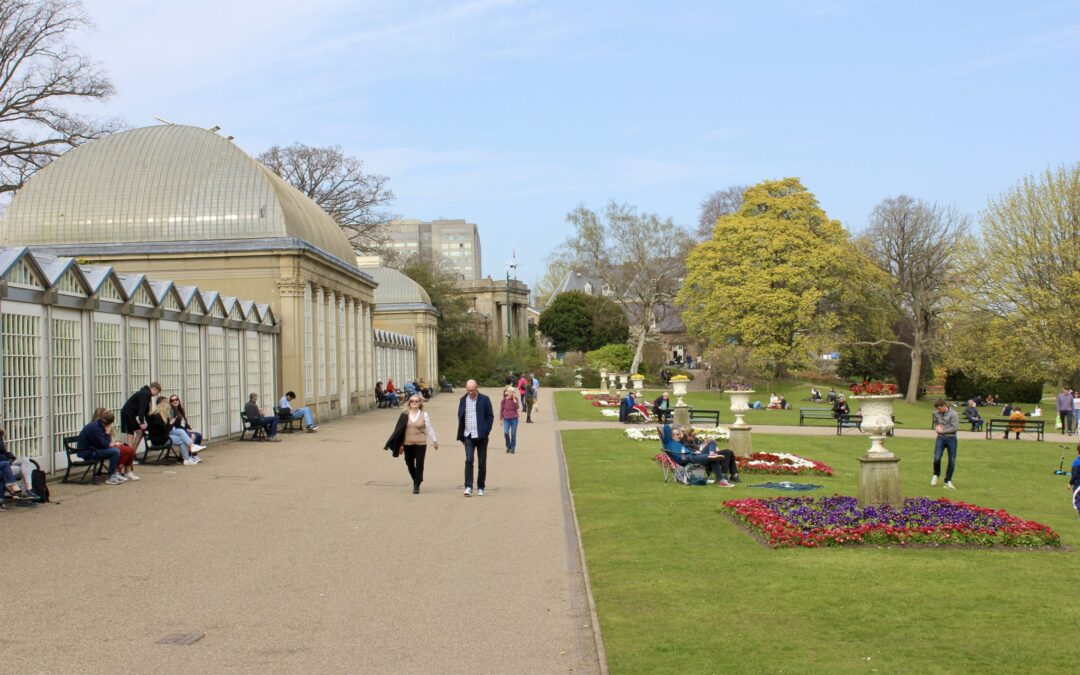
[1016,422]
[161,431]
[255,415]
[774,402]
[286,411]
[815,395]
[971,412]
[672,441]
[95,443]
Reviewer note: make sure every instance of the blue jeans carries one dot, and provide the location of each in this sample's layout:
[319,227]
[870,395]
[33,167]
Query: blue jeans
[270,422]
[939,448]
[510,433]
[6,473]
[304,412]
[477,446]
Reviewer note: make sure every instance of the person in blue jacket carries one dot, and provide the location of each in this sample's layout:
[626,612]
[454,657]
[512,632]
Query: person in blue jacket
[475,419]
[95,442]
[1074,480]
[674,442]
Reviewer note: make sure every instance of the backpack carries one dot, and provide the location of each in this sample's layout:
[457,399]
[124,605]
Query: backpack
[40,485]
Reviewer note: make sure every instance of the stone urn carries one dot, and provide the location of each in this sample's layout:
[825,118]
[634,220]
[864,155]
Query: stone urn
[603,375]
[611,381]
[577,378]
[639,382]
[740,403]
[679,388]
[622,379]
[877,420]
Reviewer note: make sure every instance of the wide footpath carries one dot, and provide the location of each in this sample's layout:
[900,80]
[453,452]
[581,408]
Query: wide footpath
[309,555]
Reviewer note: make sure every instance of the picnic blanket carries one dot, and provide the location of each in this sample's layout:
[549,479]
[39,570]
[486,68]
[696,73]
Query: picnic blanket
[788,485]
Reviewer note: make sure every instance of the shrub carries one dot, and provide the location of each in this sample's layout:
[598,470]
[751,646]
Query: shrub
[961,387]
[617,357]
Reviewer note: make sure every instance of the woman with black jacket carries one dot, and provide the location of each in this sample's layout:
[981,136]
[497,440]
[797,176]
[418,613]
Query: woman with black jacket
[411,433]
[160,431]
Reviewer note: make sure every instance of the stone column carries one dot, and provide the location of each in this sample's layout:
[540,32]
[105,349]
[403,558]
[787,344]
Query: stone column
[290,353]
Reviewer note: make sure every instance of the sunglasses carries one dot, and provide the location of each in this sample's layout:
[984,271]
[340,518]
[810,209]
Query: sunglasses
[174,400]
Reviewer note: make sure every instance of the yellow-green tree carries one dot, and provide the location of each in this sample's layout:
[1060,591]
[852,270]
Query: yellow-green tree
[1029,266]
[776,276]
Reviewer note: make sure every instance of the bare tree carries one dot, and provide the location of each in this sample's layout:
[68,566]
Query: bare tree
[718,204]
[919,245]
[337,183]
[639,257]
[39,73]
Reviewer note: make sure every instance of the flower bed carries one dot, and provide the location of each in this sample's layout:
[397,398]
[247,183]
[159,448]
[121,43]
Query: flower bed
[651,434]
[782,463]
[838,521]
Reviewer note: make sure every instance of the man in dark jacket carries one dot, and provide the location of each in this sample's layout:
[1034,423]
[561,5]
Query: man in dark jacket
[475,419]
[133,414]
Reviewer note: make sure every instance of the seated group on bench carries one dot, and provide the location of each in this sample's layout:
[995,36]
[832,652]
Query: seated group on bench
[11,469]
[258,420]
[685,448]
[386,398]
[95,444]
[287,412]
[167,426]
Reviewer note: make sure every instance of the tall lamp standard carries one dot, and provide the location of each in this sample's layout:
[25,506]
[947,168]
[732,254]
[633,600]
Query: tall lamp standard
[510,265]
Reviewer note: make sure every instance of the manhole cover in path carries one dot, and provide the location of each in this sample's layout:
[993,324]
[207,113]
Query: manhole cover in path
[181,638]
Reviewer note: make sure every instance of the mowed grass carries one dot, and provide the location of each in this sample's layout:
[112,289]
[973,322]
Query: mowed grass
[680,588]
[573,406]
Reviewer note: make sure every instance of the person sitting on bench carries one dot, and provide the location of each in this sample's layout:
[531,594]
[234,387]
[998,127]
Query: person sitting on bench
[286,411]
[16,467]
[160,431]
[445,386]
[425,390]
[180,420]
[255,416]
[1016,422]
[95,443]
[840,409]
[971,412]
[391,393]
[661,405]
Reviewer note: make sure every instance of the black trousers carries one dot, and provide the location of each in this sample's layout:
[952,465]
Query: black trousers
[476,447]
[414,461]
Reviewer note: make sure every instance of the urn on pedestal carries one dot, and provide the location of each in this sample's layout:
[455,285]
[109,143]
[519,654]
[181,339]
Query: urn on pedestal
[879,477]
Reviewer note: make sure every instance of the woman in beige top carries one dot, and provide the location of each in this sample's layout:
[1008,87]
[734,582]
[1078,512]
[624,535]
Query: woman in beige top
[416,429]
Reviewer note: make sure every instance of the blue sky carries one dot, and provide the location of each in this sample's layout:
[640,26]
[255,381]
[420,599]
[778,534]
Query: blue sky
[510,113]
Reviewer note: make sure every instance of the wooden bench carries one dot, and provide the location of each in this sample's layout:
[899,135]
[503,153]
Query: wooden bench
[257,429]
[287,422]
[816,414]
[701,415]
[166,452]
[1004,424]
[975,426]
[92,468]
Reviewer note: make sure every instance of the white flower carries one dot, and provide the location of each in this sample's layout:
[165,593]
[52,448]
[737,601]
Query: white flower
[608,412]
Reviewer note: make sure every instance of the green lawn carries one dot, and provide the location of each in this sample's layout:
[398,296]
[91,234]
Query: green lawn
[573,406]
[681,589]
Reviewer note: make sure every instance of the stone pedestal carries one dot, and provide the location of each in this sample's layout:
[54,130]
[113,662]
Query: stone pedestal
[739,439]
[879,481]
[639,385]
[682,415]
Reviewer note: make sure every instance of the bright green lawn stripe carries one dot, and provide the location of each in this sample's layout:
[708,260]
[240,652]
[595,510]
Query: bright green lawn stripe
[680,588]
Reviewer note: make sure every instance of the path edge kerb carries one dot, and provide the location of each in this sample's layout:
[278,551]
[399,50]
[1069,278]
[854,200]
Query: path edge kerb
[570,514]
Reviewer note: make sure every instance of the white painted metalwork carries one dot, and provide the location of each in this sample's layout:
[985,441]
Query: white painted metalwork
[320,339]
[215,367]
[68,413]
[23,378]
[332,342]
[108,366]
[193,377]
[138,354]
[237,397]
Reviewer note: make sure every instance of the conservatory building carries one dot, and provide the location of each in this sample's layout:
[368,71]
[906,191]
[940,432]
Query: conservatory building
[75,337]
[183,203]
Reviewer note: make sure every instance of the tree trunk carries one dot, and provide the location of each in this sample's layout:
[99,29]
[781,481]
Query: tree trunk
[916,372]
[638,351]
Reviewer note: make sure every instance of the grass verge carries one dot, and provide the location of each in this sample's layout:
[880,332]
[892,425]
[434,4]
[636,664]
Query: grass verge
[679,587]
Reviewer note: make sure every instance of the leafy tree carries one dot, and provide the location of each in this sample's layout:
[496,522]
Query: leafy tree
[638,256]
[579,322]
[611,357]
[776,276]
[920,246]
[717,205]
[1027,270]
[336,182]
[547,285]
[40,72]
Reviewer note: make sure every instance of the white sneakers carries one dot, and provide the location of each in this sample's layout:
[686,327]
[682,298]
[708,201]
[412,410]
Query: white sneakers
[468,492]
[190,462]
[933,481]
[196,449]
[114,479]
[480,492]
[949,485]
[131,476]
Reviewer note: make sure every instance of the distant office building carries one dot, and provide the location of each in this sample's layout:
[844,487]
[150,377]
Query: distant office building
[455,242]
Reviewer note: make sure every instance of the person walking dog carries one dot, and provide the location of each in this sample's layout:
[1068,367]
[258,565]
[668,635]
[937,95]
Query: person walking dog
[475,419]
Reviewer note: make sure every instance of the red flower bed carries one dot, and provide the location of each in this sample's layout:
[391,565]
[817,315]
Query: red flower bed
[873,389]
[787,522]
[781,464]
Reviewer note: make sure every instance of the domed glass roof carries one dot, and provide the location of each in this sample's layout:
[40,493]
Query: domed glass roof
[395,288]
[159,184]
